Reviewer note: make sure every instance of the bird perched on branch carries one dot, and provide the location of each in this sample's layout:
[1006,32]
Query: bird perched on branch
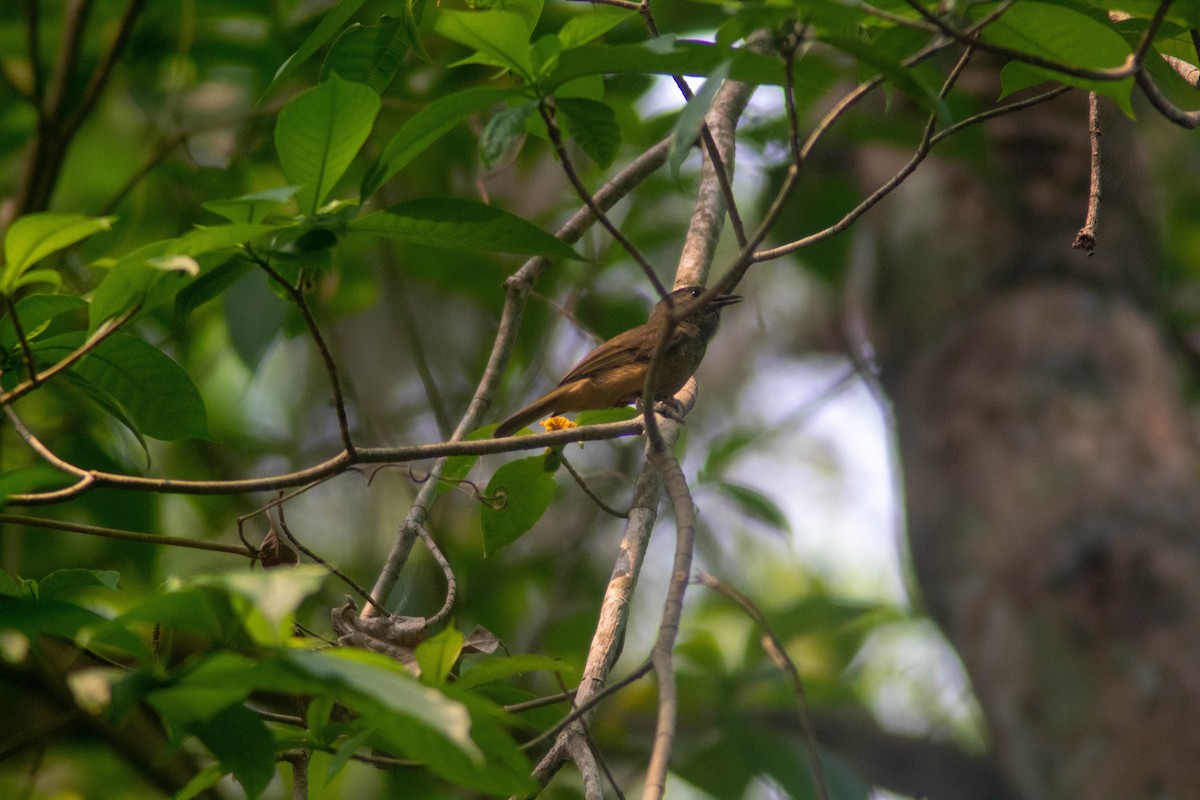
[614,374]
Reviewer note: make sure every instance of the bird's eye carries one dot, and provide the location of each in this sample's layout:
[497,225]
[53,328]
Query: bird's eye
[697,291]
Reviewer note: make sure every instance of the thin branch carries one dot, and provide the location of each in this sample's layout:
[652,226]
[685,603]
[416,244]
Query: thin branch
[105,330]
[581,190]
[19,330]
[775,649]
[338,464]
[1186,119]
[103,70]
[128,536]
[447,571]
[905,171]
[1130,66]
[34,48]
[1085,240]
[416,348]
[297,297]
[603,506]
[346,579]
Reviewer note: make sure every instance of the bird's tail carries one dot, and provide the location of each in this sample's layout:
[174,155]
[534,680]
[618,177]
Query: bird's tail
[535,410]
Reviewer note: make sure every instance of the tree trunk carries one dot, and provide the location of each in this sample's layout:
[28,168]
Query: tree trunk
[1050,470]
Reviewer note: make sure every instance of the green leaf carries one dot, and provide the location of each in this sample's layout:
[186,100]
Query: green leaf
[378,688]
[664,56]
[35,276]
[604,415]
[369,54]
[148,276]
[687,127]
[489,670]
[65,582]
[243,745]
[437,654]
[333,22]
[503,36]
[210,285]
[160,398]
[756,505]
[318,134]
[522,490]
[201,782]
[35,312]
[593,125]
[427,126]
[462,225]
[904,78]
[583,28]
[501,130]
[1063,35]
[725,449]
[274,594]
[253,207]
[35,236]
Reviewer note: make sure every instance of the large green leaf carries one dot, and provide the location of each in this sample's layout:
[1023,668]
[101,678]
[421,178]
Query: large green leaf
[35,312]
[252,207]
[35,236]
[462,225]
[333,22]
[590,25]
[160,399]
[1063,35]
[437,654]
[369,54]
[273,594]
[243,745]
[665,56]
[502,130]
[427,126]
[688,125]
[593,125]
[318,134]
[502,36]
[517,496]
[148,276]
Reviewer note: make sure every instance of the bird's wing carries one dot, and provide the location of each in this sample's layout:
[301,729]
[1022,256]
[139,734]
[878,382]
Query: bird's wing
[624,348]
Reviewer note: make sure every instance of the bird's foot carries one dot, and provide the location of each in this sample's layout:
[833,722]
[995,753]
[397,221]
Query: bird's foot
[671,409]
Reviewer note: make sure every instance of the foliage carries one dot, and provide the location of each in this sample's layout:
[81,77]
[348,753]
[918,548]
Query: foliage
[162,265]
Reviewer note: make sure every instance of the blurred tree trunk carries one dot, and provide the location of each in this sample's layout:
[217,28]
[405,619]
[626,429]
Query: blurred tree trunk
[1050,470]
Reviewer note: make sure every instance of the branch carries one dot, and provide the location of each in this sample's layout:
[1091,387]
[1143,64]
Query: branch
[1085,240]
[128,536]
[1186,119]
[1130,66]
[297,296]
[590,202]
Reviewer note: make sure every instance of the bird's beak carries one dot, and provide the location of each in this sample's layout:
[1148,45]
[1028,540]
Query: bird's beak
[722,300]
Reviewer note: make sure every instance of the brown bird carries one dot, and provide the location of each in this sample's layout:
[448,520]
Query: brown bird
[614,374]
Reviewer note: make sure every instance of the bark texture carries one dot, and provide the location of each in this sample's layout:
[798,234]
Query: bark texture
[1050,468]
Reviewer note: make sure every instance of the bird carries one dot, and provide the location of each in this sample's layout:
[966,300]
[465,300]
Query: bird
[614,374]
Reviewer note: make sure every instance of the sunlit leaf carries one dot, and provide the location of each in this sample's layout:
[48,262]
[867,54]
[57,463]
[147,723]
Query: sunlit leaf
[35,236]
[516,497]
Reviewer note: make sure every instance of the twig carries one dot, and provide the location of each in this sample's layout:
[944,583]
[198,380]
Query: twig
[775,649]
[447,571]
[346,579]
[128,536]
[299,760]
[590,202]
[19,329]
[1130,66]
[34,48]
[416,348]
[605,507]
[35,379]
[297,297]
[338,464]
[103,70]
[1085,240]
[904,172]
[1186,119]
